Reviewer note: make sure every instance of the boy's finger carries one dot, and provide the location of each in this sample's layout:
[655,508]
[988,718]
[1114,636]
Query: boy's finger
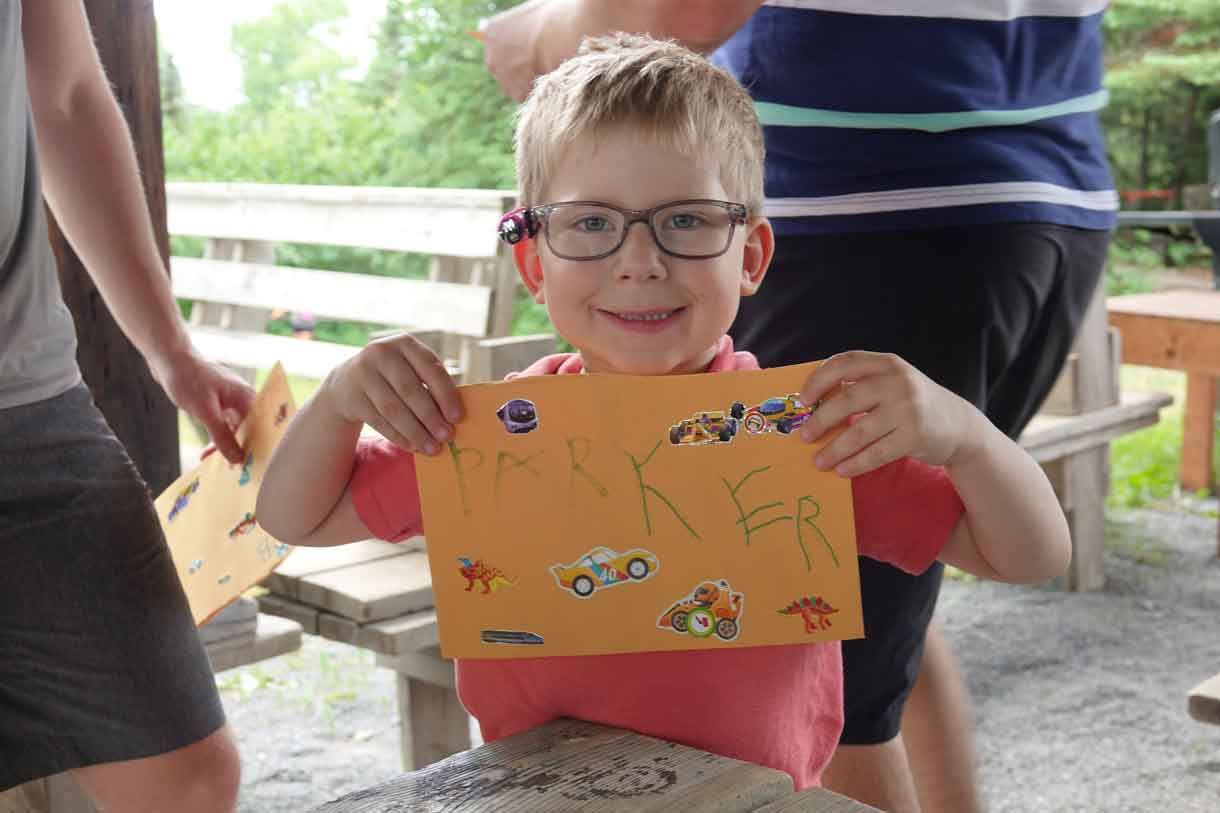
[838,407]
[442,387]
[393,405]
[883,451]
[861,434]
[415,399]
[390,433]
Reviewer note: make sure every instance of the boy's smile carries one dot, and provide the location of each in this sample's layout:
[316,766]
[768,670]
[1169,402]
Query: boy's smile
[640,310]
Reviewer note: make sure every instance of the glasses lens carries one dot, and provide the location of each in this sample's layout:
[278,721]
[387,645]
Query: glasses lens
[693,229]
[582,230]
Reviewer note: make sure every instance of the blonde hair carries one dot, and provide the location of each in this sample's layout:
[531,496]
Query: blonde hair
[671,94]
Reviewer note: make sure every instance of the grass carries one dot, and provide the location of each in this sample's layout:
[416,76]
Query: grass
[1144,465]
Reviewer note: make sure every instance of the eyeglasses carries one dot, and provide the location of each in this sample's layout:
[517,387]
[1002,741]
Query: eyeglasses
[586,230]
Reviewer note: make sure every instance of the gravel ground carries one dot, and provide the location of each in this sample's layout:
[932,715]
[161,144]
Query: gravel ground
[1079,699]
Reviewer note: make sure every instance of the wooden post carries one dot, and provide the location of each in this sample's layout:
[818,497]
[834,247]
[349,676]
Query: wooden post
[138,410]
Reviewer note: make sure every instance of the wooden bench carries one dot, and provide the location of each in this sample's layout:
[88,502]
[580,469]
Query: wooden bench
[574,765]
[468,298]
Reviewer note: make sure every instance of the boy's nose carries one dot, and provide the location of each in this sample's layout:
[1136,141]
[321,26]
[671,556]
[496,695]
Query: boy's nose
[640,256]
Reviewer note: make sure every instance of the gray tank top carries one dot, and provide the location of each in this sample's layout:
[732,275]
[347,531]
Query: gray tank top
[37,337]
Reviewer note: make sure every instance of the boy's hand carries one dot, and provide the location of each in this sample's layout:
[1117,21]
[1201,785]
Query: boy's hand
[399,387]
[901,413]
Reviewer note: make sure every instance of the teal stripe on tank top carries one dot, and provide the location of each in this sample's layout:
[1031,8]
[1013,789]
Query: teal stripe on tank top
[782,115]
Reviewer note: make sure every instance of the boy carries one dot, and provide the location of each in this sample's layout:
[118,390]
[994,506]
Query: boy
[634,131]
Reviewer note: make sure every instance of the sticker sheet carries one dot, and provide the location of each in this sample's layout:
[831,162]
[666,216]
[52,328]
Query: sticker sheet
[594,514]
[208,513]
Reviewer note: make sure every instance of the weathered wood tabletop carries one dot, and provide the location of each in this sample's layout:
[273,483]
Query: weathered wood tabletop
[572,765]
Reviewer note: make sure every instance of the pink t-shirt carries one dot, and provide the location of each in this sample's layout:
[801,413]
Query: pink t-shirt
[779,706]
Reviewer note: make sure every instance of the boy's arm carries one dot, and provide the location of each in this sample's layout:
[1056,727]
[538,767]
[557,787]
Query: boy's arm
[397,386]
[1014,529]
[304,498]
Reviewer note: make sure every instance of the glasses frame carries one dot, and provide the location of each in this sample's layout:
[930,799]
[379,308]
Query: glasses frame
[538,218]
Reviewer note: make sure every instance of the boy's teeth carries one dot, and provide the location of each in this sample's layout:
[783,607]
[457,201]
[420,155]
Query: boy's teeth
[645,317]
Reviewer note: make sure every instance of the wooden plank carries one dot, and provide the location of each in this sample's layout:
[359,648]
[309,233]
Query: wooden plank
[307,617]
[433,724]
[275,636]
[817,800]
[1086,521]
[496,358]
[1051,436]
[456,222]
[302,357]
[1065,397]
[1199,429]
[426,665]
[459,308]
[1096,383]
[573,765]
[1174,330]
[337,628]
[1199,305]
[372,591]
[306,561]
[1203,702]
[402,635]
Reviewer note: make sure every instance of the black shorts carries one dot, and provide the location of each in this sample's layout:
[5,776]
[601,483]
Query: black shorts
[987,311]
[99,657]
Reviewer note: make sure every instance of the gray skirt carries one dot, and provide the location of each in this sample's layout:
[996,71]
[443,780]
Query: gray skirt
[99,657]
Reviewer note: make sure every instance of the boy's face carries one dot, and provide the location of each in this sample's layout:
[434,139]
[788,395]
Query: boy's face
[639,310]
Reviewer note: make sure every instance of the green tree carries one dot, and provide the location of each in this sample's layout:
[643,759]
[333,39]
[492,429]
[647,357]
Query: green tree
[284,57]
[1163,72]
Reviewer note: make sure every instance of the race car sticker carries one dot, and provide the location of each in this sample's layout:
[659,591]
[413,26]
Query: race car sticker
[602,567]
[711,610]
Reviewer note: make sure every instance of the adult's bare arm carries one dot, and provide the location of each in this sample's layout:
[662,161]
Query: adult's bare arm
[92,183]
[534,37]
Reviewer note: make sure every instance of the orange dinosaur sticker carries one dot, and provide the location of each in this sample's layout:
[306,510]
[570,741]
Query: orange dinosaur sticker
[815,613]
[491,577]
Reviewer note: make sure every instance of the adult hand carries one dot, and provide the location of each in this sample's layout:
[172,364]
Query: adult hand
[215,396]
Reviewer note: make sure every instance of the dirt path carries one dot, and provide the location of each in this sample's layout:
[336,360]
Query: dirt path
[1079,699]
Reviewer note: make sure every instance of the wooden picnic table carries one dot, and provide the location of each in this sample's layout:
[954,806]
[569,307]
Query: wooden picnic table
[1178,330]
[575,765]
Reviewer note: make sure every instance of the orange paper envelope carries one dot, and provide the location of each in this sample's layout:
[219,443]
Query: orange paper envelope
[218,547]
[593,514]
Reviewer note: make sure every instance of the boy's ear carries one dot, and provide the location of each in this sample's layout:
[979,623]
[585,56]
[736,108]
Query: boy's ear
[760,247]
[529,266]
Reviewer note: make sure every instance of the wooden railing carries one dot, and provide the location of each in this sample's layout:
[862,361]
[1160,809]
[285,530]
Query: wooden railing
[467,299]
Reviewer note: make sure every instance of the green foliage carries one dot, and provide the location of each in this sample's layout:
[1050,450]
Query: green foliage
[1145,466]
[1163,73]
